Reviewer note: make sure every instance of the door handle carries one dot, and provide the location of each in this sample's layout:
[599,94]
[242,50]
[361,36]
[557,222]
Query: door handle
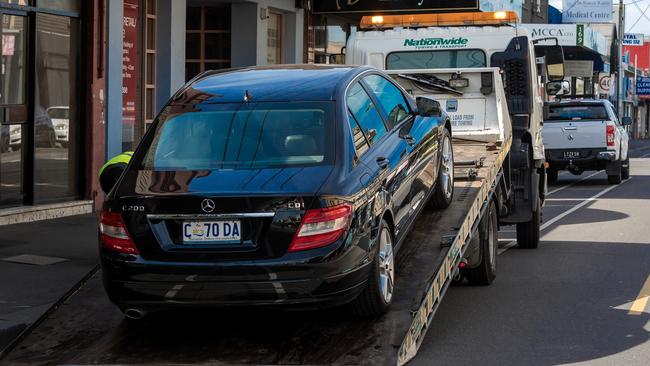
[382,162]
[570,128]
[409,140]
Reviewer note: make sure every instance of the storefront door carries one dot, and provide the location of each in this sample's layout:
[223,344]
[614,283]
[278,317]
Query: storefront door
[40,145]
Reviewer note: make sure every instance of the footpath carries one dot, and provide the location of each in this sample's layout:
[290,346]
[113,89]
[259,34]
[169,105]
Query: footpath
[40,264]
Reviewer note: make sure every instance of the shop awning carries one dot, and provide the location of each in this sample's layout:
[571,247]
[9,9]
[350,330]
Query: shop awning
[580,42]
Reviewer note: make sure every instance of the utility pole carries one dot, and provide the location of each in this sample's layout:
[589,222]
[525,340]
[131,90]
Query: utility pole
[620,72]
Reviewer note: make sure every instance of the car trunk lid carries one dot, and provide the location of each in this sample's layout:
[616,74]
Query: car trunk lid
[265,207]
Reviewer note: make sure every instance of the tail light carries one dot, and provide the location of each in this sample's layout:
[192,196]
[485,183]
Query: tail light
[611,135]
[113,234]
[321,227]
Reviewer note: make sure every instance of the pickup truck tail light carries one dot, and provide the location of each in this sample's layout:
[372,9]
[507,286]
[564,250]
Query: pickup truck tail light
[321,227]
[611,135]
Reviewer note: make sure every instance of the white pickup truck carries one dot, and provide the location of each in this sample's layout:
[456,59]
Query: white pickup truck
[582,135]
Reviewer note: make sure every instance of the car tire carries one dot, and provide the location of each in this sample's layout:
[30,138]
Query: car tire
[443,192]
[51,139]
[551,176]
[528,232]
[625,169]
[486,271]
[377,295]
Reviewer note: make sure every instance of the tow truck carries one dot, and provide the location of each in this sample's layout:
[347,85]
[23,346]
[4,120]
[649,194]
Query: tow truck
[496,113]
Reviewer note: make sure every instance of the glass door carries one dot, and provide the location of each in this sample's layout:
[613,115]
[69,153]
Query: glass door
[13,108]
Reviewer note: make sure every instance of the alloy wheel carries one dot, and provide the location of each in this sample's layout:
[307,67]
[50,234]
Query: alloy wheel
[447,167]
[386,265]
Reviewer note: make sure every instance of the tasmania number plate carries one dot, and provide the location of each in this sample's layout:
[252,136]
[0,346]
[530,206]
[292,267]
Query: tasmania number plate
[571,154]
[197,232]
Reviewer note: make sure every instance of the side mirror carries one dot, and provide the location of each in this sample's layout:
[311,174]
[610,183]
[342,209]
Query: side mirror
[626,121]
[338,59]
[428,107]
[555,63]
[554,88]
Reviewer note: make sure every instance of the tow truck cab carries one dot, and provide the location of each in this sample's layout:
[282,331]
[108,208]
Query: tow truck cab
[446,47]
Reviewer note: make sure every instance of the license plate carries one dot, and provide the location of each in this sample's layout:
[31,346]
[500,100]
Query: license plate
[211,231]
[571,154]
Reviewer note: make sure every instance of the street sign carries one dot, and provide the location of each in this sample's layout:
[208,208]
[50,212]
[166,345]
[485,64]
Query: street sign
[400,6]
[643,87]
[587,11]
[604,83]
[633,39]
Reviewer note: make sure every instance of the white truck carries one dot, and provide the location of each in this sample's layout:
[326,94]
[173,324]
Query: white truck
[448,63]
[581,135]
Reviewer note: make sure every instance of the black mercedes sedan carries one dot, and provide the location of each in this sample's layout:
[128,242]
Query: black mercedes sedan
[284,186]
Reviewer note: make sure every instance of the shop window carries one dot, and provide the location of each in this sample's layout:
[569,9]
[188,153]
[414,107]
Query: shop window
[56,109]
[326,39]
[207,39]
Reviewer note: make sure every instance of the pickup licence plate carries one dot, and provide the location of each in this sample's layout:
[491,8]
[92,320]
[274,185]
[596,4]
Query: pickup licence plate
[205,232]
[571,154]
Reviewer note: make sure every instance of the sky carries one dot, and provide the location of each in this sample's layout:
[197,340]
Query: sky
[632,15]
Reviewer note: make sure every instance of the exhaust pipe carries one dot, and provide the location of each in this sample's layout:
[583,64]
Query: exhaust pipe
[134,313]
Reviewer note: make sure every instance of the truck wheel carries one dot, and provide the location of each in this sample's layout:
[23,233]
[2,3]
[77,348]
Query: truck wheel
[444,188]
[528,232]
[551,176]
[378,293]
[625,169]
[485,273]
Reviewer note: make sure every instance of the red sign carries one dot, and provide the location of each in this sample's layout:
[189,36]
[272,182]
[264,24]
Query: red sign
[8,44]
[130,71]
[641,53]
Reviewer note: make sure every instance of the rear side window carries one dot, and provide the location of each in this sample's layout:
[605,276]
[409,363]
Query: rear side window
[390,98]
[577,112]
[360,143]
[243,136]
[366,114]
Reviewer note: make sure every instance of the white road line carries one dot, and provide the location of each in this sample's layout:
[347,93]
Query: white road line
[571,184]
[566,213]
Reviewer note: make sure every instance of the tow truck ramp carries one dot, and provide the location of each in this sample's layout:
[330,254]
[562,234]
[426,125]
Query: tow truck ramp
[437,285]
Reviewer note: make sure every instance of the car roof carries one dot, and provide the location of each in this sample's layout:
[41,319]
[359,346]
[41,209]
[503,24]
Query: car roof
[268,84]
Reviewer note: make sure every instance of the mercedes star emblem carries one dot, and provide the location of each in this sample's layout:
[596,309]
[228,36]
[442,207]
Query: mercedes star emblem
[207,205]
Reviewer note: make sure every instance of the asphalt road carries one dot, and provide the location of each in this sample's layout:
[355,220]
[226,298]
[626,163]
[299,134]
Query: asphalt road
[569,301]
[581,298]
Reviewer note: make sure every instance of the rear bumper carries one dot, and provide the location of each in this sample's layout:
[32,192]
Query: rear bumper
[161,284]
[589,159]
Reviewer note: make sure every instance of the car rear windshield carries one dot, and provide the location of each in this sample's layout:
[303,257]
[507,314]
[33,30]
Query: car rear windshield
[242,136]
[439,59]
[577,112]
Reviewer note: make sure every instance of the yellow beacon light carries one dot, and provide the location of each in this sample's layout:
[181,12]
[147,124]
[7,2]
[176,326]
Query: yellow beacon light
[500,15]
[377,19]
[445,20]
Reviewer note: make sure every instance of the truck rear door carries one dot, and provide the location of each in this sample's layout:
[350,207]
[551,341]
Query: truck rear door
[576,126]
